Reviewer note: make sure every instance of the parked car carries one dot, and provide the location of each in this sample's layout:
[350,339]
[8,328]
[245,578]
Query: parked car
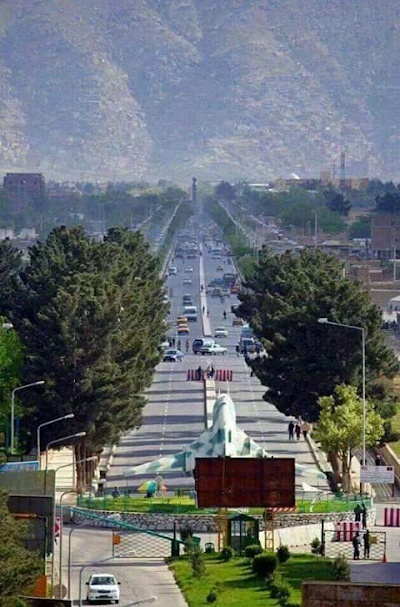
[220,268]
[102,587]
[172,356]
[220,332]
[246,331]
[213,349]
[247,344]
[237,322]
[198,344]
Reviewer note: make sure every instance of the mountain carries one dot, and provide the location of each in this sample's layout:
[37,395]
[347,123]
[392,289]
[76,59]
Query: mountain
[214,88]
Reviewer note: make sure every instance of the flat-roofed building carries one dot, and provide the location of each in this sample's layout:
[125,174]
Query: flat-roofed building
[23,188]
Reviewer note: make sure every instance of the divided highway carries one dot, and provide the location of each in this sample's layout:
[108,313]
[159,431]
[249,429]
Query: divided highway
[173,416]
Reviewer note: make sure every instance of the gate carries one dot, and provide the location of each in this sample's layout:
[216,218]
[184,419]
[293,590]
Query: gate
[139,544]
[336,543]
[130,541]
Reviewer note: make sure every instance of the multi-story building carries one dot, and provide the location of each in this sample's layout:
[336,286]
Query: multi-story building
[23,188]
[386,236]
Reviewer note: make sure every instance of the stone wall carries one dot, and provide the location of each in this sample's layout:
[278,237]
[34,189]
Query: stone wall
[346,594]
[199,523]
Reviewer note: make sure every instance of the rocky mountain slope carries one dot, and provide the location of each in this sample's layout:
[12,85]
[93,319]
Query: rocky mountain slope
[216,88]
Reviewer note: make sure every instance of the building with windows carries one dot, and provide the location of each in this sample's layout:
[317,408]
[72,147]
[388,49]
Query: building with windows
[386,235]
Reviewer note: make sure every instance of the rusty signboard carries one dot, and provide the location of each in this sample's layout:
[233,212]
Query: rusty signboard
[236,482]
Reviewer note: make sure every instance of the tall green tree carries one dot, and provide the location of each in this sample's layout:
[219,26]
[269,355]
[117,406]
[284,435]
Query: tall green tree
[90,316]
[305,360]
[340,426]
[11,360]
[10,264]
[19,567]
[388,203]
[225,190]
[337,203]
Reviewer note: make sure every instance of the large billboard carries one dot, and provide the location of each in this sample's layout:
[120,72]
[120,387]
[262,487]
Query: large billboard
[236,482]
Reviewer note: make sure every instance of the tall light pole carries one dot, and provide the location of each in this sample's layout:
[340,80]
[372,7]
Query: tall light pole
[52,421]
[86,459]
[60,440]
[325,321]
[61,534]
[36,383]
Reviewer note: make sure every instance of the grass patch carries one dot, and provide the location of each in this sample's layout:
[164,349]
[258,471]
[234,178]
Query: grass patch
[238,586]
[304,567]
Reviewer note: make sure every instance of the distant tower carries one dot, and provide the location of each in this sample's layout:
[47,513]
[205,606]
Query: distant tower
[342,170]
[193,191]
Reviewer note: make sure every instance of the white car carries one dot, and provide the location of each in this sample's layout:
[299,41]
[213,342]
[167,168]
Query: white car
[220,332]
[102,587]
[188,270]
[213,349]
[187,281]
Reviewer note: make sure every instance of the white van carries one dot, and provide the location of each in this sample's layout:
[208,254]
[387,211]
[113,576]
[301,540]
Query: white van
[172,270]
[190,312]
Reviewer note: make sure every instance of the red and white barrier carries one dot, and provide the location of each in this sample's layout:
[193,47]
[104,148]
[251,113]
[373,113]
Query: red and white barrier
[194,375]
[224,375]
[392,517]
[346,530]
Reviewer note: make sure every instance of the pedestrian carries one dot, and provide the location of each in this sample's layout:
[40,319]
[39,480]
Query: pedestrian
[357,512]
[203,309]
[305,428]
[187,345]
[179,344]
[238,350]
[208,312]
[173,342]
[199,372]
[224,314]
[115,493]
[367,544]
[170,342]
[291,429]
[378,460]
[364,515]
[356,546]
[298,430]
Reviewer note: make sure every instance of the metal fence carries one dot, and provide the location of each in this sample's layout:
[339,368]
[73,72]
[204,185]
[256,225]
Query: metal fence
[333,546]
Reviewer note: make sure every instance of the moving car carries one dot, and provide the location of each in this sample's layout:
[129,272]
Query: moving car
[220,269]
[198,344]
[172,270]
[220,332]
[213,349]
[234,289]
[187,281]
[172,356]
[247,344]
[246,332]
[102,587]
[187,300]
[191,313]
[188,270]
[183,330]
[181,320]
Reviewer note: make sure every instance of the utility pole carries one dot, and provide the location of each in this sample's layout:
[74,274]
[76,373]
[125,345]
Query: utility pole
[316,230]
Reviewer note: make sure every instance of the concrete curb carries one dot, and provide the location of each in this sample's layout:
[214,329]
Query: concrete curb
[318,455]
[203,300]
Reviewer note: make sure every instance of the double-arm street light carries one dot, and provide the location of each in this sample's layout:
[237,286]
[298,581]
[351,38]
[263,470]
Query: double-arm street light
[325,321]
[52,421]
[36,383]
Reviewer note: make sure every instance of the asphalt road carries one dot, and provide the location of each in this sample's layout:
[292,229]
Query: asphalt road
[173,416]
[140,578]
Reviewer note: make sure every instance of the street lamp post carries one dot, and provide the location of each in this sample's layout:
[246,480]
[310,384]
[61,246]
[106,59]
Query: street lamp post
[62,533]
[52,421]
[325,321]
[60,440]
[36,383]
[86,459]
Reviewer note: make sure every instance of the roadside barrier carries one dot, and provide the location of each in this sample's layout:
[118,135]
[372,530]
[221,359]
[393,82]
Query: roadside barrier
[219,375]
[195,375]
[346,530]
[392,517]
[223,375]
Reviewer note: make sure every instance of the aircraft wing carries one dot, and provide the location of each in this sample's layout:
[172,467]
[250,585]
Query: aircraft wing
[163,464]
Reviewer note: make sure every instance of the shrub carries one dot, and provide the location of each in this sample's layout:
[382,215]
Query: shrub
[280,590]
[209,548]
[316,546]
[265,564]
[283,554]
[190,545]
[341,569]
[227,553]
[212,596]
[197,562]
[252,550]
